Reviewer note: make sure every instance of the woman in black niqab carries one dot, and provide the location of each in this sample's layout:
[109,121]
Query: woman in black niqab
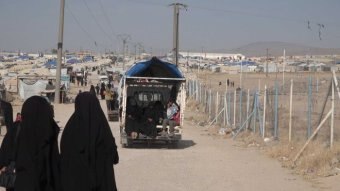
[37,156]
[93,90]
[7,145]
[88,148]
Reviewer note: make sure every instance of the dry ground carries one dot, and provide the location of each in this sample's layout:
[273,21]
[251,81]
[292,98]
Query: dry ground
[202,161]
[318,160]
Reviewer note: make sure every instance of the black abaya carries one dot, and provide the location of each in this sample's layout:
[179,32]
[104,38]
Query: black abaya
[88,149]
[37,160]
[93,90]
[8,141]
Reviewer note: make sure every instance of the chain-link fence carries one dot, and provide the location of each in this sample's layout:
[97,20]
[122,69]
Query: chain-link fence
[284,111]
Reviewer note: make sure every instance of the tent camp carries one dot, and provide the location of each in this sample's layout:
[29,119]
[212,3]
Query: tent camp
[51,63]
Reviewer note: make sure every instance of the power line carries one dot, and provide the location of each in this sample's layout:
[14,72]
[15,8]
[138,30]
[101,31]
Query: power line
[96,21]
[82,28]
[230,11]
[106,17]
[149,3]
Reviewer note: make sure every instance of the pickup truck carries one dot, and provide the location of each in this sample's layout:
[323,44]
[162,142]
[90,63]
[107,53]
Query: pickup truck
[148,82]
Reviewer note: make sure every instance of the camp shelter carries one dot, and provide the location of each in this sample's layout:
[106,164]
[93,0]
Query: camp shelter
[30,85]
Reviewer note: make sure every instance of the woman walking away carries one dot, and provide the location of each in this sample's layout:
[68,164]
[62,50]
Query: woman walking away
[88,148]
[102,91]
[7,145]
[92,90]
[37,156]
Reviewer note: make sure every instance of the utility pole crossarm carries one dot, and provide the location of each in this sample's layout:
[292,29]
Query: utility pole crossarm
[124,38]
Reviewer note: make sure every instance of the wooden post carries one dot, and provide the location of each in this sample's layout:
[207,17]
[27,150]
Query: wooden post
[210,100]
[240,110]
[225,110]
[255,110]
[229,108]
[290,110]
[247,125]
[217,105]
[312,136]
[226,106]
[235,108]
[332,118]
[336,83]
[264,111]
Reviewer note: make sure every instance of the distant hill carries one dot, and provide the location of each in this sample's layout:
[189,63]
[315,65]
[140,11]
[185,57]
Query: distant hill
[276,49]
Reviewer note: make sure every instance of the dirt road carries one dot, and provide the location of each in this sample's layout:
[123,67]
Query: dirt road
[202,162]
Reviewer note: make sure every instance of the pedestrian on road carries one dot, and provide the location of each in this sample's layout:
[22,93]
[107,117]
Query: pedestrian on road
[88,148]
[36,154]
[97,89]
[92,90]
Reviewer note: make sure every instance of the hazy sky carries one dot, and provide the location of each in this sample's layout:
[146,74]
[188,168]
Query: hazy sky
[32,25]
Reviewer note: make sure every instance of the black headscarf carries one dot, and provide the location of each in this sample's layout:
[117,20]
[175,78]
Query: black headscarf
[37,158]
[7,145]
[7,110]
[88,149]
[93,90]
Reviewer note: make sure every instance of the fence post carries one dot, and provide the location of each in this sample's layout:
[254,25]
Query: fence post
[332,118]
[247,108]
[210,104]
[226,121]
[196,90]
[240,107]
[309,111]
[229,109]
[200,97]
[235,108]
[259,116]
[255,111]
[217,105]
[276,110]
[290,110]
[225,109]
[312,136]
[205,100]
[264,110]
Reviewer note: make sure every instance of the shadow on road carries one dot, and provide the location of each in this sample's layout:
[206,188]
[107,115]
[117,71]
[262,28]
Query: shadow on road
[181,144]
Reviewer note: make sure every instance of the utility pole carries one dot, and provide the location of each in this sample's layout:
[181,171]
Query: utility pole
[267,64]
[124,38]
[135,46]
[140,50]
[60,52]
[176,31]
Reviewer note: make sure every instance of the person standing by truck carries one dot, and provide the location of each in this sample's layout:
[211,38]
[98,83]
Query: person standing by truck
[171,111]
[132,118]
[108,98]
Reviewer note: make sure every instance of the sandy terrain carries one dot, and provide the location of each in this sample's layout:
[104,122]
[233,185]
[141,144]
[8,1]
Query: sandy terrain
[201,162]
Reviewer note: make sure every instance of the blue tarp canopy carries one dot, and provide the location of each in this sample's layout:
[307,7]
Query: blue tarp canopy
[88,59]
[72,61]
[51,64]
[154,68]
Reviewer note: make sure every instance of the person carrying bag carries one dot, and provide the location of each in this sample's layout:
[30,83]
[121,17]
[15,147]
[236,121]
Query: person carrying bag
[8,173]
